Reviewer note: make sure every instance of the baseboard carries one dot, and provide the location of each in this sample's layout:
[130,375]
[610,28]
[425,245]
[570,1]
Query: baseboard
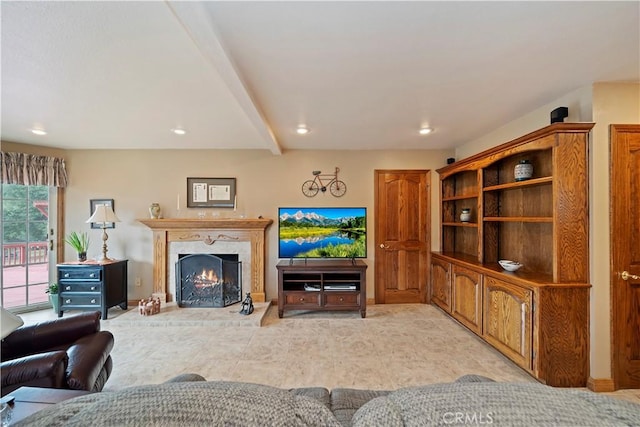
[371,301]
[601,385]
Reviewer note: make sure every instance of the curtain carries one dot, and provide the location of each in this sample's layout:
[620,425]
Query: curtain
[30,169]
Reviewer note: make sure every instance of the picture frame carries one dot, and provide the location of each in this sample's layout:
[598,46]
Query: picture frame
[92,208]
[211,192]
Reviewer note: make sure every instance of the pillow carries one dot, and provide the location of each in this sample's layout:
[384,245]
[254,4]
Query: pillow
[507,404]
[9,322]
[188,403]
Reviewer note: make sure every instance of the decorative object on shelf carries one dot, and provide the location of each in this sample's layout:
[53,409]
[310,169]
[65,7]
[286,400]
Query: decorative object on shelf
[210,193]
[465,215]
[559,114]
[79,242]
[92,208]
[321,182]
[523,170]
[509,265]
[103,215]
[149,306]
[154,210]
[247,305]
[53,289]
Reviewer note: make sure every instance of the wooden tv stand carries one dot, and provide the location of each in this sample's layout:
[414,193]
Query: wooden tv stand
[322,285]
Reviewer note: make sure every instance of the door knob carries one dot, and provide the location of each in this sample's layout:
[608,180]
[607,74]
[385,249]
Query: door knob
[383,246]
[625,275]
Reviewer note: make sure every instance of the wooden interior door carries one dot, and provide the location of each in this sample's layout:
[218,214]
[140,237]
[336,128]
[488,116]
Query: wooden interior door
[625,255]
[402,239]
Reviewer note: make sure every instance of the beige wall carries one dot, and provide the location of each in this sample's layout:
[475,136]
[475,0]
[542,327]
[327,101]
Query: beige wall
[136,178]
[604,104]
[578,102]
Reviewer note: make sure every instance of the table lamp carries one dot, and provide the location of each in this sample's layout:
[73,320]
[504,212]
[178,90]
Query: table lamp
[103,215]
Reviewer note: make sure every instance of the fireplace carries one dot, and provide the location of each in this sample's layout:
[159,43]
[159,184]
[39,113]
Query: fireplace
[173,236]
[208,280]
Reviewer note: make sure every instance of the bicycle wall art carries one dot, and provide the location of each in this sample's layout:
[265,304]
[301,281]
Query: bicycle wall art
[322,182]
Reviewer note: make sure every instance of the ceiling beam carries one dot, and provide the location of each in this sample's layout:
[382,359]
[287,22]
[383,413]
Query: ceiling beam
[194,18]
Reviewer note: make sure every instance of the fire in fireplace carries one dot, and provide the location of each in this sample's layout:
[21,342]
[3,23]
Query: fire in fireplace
[207,280]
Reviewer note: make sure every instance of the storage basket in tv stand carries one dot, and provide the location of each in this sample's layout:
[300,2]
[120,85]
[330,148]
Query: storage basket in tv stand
[322,285]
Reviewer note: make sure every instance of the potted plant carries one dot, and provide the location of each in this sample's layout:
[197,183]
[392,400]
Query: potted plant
[79,242]
[52,290]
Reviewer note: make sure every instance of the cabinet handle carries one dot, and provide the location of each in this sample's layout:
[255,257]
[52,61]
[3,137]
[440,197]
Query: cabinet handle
[67,301]
[301,299]
[383,246]
[93,288]
[625,275]
[68,288]
[341,299]
[92,275]
[93,301]
[66,274]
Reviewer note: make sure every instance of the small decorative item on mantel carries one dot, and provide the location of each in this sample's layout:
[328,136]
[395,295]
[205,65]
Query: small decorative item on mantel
[149,306]
[465,215]
[247,305]
[523,170]
[154,210]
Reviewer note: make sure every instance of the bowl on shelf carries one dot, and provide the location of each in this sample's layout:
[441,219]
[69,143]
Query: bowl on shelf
[509,265]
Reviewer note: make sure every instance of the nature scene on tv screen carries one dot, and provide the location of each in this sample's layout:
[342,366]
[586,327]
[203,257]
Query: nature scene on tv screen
[322,232]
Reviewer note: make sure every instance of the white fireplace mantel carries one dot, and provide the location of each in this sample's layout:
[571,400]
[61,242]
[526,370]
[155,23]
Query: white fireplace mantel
[208,231]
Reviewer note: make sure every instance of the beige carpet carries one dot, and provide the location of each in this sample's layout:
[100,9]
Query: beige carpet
[395,346]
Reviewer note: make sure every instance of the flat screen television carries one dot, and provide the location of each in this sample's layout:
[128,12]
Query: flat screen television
[322,232]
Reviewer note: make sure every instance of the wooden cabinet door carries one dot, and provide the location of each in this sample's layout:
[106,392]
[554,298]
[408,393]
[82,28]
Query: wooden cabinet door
[508,319]
[467,297]
[441,284]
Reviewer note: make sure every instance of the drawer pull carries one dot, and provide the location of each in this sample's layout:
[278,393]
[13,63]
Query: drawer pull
[68,288]
[92,275]
[66,274]
[93,288]
[341,299]
[67,301]
[93,301]
[301,299]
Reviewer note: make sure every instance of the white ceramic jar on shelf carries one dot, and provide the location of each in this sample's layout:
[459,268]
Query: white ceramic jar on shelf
[523,170]
[465,215]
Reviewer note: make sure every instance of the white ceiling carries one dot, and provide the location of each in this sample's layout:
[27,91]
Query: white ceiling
[360,75]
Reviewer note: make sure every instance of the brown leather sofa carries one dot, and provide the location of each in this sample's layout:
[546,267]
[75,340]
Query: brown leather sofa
[69,352]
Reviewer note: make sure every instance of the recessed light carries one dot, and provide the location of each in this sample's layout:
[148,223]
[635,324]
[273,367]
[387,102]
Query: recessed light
[302,129]
[178,131]
[38,131]
[425,131]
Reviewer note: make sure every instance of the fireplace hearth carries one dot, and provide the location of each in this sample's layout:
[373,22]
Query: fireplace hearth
[208,280]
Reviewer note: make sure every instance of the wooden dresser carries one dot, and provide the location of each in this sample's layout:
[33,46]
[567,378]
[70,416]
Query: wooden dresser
[92,286]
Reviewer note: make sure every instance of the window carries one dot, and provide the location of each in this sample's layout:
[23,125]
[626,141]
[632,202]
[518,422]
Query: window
[26,258]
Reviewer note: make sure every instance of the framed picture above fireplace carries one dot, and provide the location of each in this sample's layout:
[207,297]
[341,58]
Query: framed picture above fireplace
[211,192]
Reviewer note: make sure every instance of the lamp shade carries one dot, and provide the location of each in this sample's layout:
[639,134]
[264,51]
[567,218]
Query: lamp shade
[10,322]
[103,215]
